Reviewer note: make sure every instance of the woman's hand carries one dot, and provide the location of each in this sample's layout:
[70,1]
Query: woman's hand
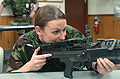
[105,66]
[36,62]
[32,14]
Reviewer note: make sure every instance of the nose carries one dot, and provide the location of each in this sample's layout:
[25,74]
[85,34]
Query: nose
[62,36]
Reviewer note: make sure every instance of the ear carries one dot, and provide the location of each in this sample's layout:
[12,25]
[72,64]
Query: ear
[38,30]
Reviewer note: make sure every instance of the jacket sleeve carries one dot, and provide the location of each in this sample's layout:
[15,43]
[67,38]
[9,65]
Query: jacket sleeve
[18,57]
[6,2]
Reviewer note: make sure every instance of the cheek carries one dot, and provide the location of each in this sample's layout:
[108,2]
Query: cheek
[50,37]
[53,37]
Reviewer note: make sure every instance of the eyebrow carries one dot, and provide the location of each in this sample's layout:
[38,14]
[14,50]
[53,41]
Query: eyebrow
[58,28]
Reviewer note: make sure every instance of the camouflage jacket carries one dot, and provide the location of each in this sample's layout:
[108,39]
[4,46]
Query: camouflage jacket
[19,7]
[19,57]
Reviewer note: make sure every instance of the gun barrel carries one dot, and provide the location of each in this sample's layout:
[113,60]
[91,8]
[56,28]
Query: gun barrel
[9,28]
[95,53]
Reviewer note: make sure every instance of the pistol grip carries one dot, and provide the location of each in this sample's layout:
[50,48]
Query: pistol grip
[69,68]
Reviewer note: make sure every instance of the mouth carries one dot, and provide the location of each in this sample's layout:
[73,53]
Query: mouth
[58,41]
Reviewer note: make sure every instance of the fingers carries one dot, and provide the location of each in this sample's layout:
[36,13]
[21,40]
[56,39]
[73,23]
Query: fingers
[37,61]
[110,64]
[41,56]
[44,56]
[36,51]
[40,61]
[100,67]
[32,14]
[40,65]
[105,65]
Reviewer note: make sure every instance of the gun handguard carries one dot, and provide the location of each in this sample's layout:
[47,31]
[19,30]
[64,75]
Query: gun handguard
[107,48]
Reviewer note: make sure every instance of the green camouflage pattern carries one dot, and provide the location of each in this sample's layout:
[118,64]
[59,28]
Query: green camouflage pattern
[19,57]
[20,12]
[19,6]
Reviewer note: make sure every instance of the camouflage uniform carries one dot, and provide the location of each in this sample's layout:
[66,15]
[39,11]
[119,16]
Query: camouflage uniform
[21,10]
[19,57]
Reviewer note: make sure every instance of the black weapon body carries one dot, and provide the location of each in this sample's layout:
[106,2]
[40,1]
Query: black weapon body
[79,50]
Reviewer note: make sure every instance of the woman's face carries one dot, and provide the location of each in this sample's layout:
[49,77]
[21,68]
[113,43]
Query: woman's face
[53,32]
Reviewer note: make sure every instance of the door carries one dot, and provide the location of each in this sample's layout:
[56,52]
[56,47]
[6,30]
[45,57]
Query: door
[77,13]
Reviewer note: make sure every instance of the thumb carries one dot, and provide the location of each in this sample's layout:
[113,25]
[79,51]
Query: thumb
[36,51]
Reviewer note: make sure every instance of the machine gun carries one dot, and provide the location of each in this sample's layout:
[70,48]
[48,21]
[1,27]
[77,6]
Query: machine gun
[79,50]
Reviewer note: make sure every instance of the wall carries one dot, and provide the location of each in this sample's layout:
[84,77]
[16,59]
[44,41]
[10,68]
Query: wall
[60,5]
[97,7]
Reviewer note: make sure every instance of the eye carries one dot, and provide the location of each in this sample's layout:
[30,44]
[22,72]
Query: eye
[55,32]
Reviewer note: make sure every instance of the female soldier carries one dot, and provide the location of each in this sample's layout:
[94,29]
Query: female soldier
[50,27]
